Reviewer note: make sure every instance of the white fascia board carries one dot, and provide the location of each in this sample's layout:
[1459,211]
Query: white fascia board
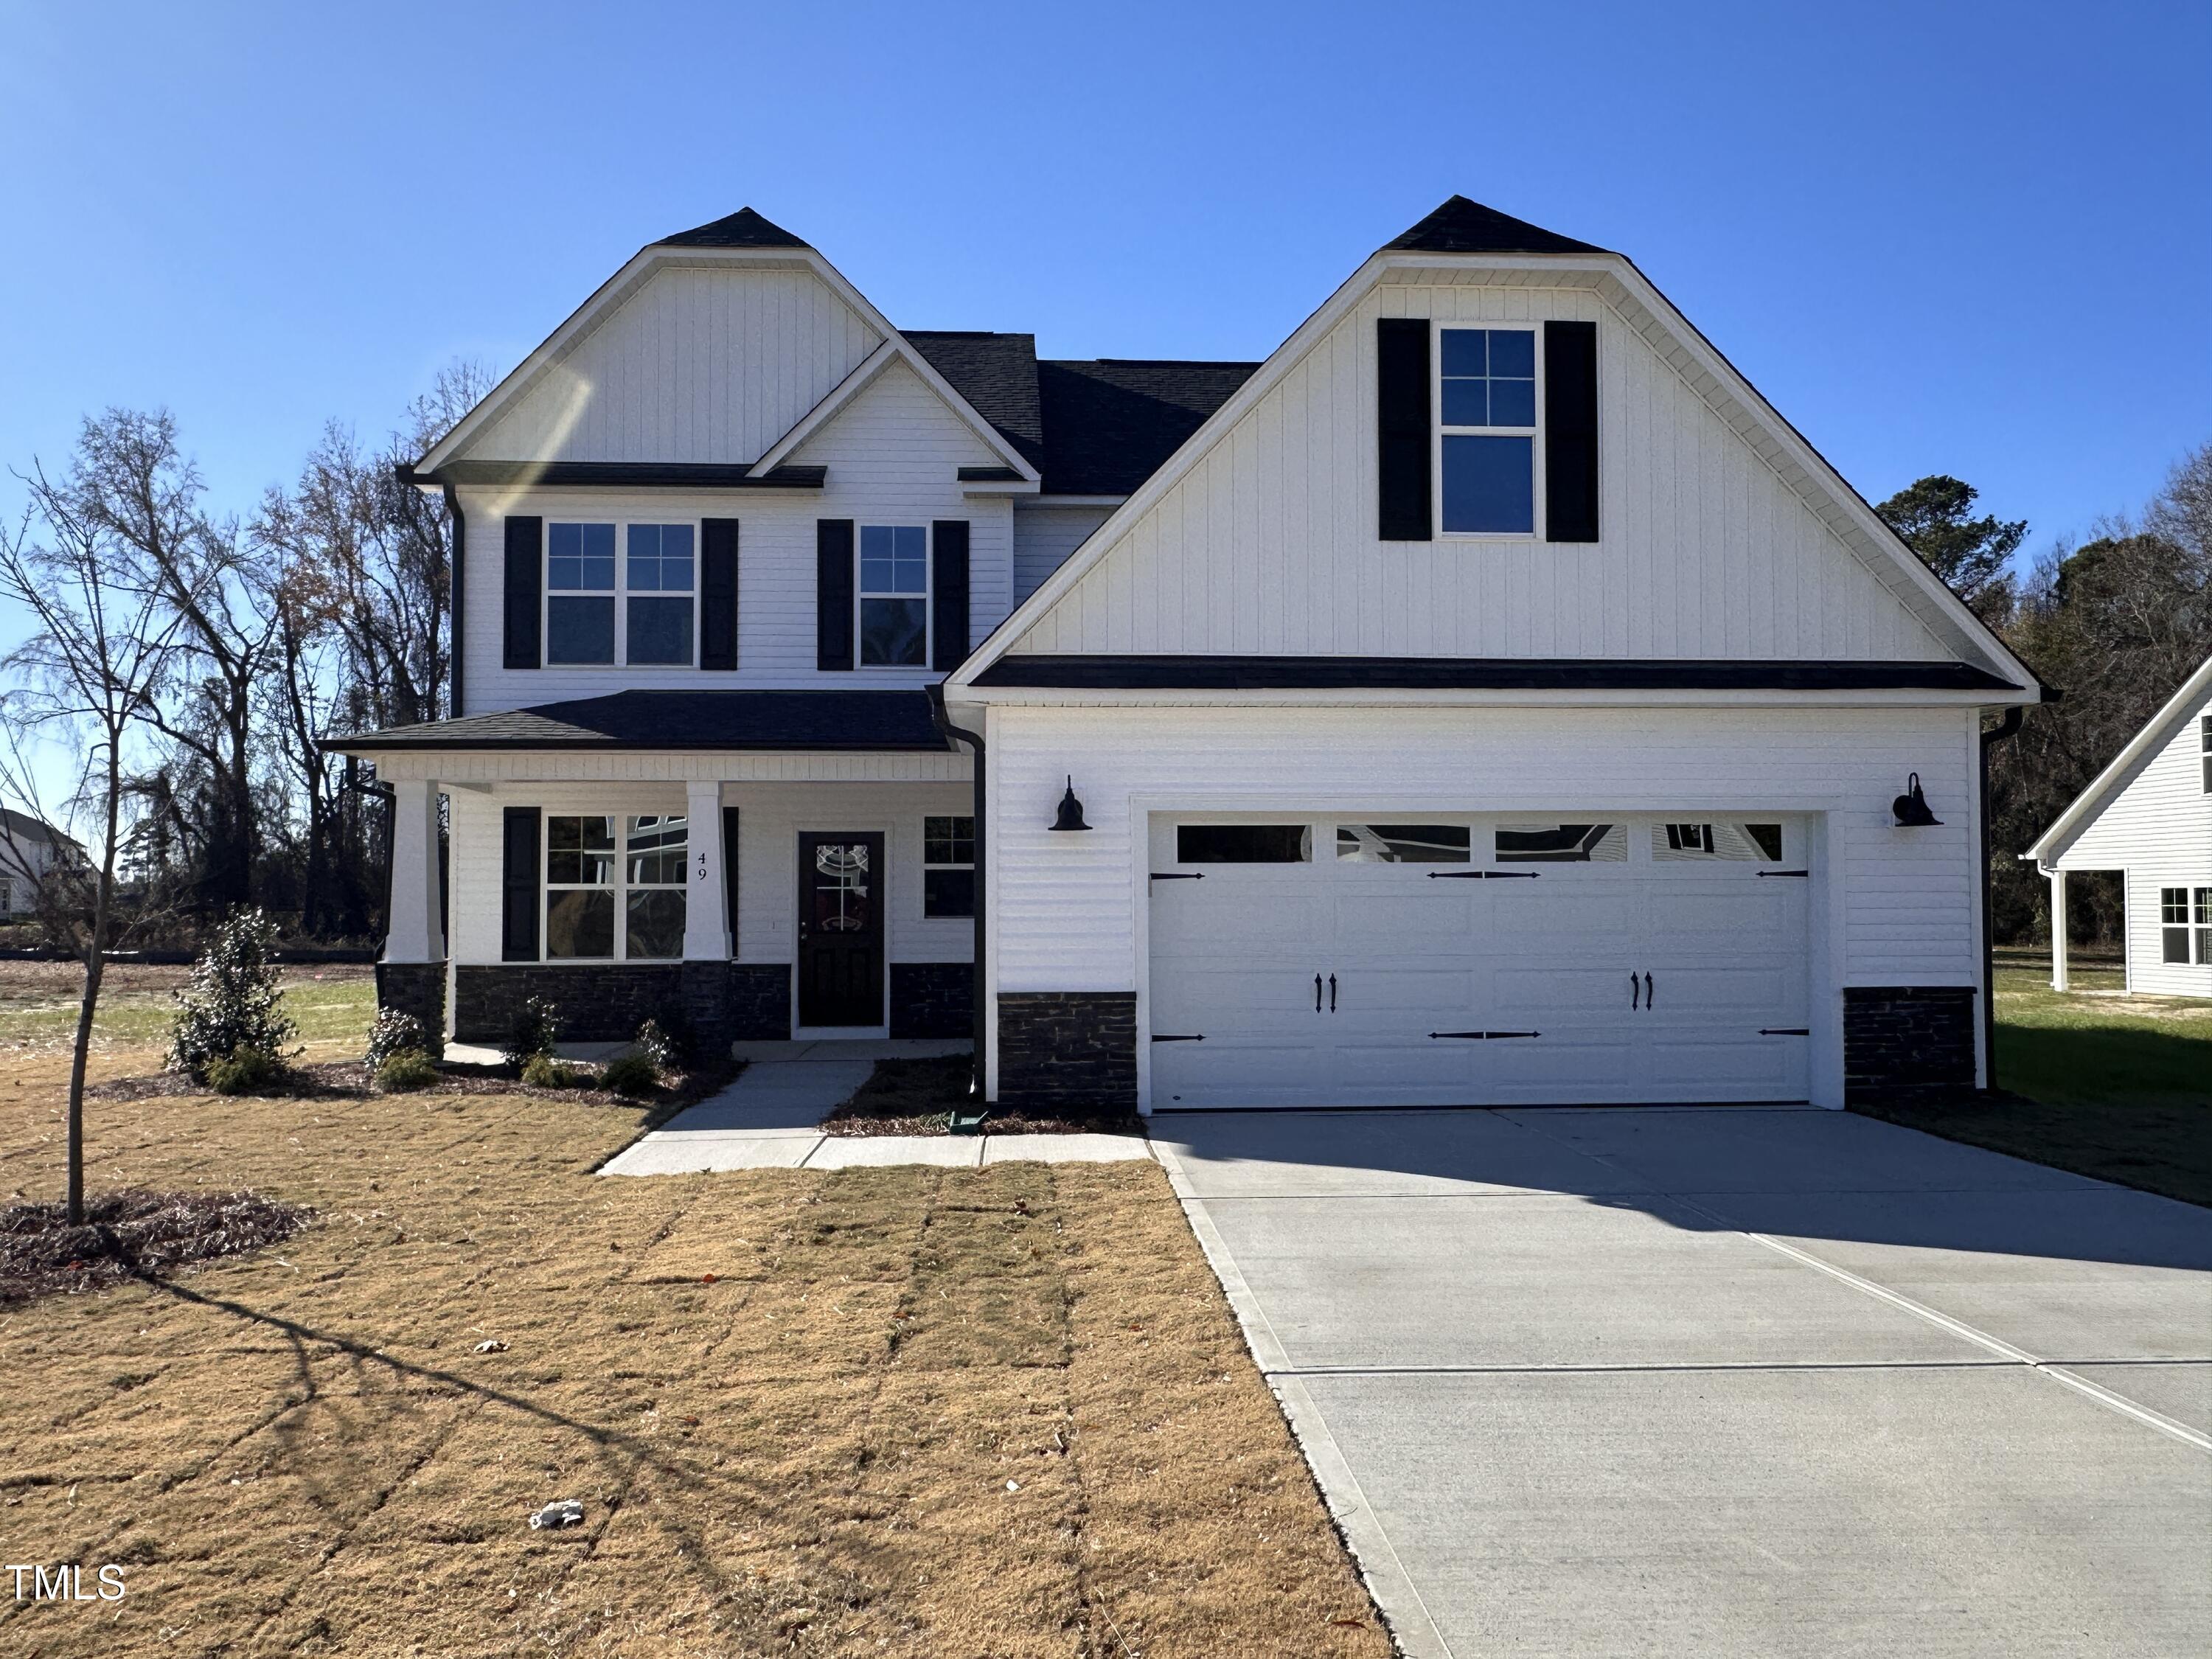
[1078,564]
[999,487]
[1044,500]
[2088,806]
[1023,696]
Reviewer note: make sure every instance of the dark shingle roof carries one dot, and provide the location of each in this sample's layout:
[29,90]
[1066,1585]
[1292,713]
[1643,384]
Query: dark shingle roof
[998,374]
[1092,429]
[743,228]
[1463,227]
[683,720]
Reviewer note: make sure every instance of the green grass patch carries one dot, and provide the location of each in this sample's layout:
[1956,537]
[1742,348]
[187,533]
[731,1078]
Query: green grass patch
[334,1007]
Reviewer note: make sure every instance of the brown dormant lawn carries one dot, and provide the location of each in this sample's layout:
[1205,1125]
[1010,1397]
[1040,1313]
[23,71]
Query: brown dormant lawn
[908,1410]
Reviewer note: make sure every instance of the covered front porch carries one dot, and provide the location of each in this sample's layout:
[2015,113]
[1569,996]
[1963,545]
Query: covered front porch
[734,894]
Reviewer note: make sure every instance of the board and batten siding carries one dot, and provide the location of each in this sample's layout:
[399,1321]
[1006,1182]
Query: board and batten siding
[2157,830]
[1064,906]
[769,819]
[892,455]
[1044,536]
[1268,546]
[702,364]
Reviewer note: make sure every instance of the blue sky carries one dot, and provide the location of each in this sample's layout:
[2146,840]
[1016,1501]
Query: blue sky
[1966,239]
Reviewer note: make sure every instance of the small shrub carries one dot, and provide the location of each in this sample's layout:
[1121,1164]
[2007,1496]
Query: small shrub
[536,1028]
[545,1072]
[404,1071]
[661,1047]
[396,1033]
[633,1075]
[233,999]
[243,1070]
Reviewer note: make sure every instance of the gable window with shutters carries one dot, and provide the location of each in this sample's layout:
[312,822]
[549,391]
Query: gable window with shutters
[1487,431]
[893,595]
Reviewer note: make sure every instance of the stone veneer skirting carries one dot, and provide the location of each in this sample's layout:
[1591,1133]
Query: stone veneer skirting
[1067,1048]
[1908,1039]
[416,988]
[760,1001]
[599,1001]
[933,999]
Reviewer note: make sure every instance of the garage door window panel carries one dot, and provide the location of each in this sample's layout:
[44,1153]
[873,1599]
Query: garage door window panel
[1404,843]
[1243,843]
[1723,841]
[1562,843]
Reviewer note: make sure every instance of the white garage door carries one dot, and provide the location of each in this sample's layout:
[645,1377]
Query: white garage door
[1336,961]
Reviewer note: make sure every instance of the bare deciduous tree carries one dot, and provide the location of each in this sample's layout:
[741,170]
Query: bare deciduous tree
[105,641]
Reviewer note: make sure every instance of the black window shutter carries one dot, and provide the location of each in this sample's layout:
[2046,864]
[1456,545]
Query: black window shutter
[1402,435]
[729,872]
[718,593]
[1571,432]
[833,594]
[525,551]
[948,593]
[518,885]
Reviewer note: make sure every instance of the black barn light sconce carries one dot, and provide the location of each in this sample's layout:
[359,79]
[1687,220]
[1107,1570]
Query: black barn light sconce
[1070,809]
[1911,807]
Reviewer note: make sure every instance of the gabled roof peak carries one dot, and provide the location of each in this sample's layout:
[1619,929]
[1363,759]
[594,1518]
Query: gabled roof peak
[1463,227]
[743,228]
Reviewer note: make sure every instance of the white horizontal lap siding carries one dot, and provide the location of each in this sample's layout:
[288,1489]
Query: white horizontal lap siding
[699,365]
[1063,905]
[872,482]
[1269,546]
[771,817]
[1044,536]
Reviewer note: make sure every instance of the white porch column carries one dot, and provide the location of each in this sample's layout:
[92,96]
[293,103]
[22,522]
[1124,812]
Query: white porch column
[413,934]
[706,911]
[2058,929]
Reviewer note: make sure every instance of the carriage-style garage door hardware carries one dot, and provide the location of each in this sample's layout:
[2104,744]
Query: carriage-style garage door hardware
[1484,875]
[1484,1036]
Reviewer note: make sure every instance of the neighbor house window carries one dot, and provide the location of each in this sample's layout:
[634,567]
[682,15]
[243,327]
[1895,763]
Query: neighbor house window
[657,577]
[580,593]
[2204,729]
[893,596]
[948,866]
[590,882]
[1488,463]
[649,611]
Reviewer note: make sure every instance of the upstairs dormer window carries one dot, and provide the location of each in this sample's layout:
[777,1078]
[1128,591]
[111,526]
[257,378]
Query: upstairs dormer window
[1487,461]
[893,596]
[647,618]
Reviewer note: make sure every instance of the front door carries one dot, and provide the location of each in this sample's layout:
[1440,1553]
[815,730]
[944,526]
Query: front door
[841,930]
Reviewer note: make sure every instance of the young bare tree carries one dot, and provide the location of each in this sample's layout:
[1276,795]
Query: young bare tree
[103,642]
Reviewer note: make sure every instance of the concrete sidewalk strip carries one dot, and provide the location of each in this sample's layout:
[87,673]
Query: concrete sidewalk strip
[666,1154]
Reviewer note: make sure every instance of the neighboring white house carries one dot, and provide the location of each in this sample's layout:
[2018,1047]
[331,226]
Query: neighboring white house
[1487,698]
[28,848]
[2147,815]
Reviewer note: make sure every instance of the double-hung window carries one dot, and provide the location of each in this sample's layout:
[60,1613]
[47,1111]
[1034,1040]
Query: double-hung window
[893,596]
[2179,930]
[1488,463]
[948,866]
[646,618]
[591,885]
[657,577]
[2204,729]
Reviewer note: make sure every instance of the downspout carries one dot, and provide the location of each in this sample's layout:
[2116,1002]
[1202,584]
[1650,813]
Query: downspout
[1991,738]
[456,574]
[975,741]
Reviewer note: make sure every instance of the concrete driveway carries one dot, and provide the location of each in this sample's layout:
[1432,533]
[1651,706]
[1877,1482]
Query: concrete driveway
[1726,1382]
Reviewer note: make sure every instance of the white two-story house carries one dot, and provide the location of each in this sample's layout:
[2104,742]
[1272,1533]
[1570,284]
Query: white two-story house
[1486,698]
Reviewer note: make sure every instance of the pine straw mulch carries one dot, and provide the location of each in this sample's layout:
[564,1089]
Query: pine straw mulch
[918,1097]
[348,1079]
[132,1234]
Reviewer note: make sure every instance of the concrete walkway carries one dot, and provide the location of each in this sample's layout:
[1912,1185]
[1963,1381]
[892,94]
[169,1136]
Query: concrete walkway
[1736,1381]
[771,1119]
